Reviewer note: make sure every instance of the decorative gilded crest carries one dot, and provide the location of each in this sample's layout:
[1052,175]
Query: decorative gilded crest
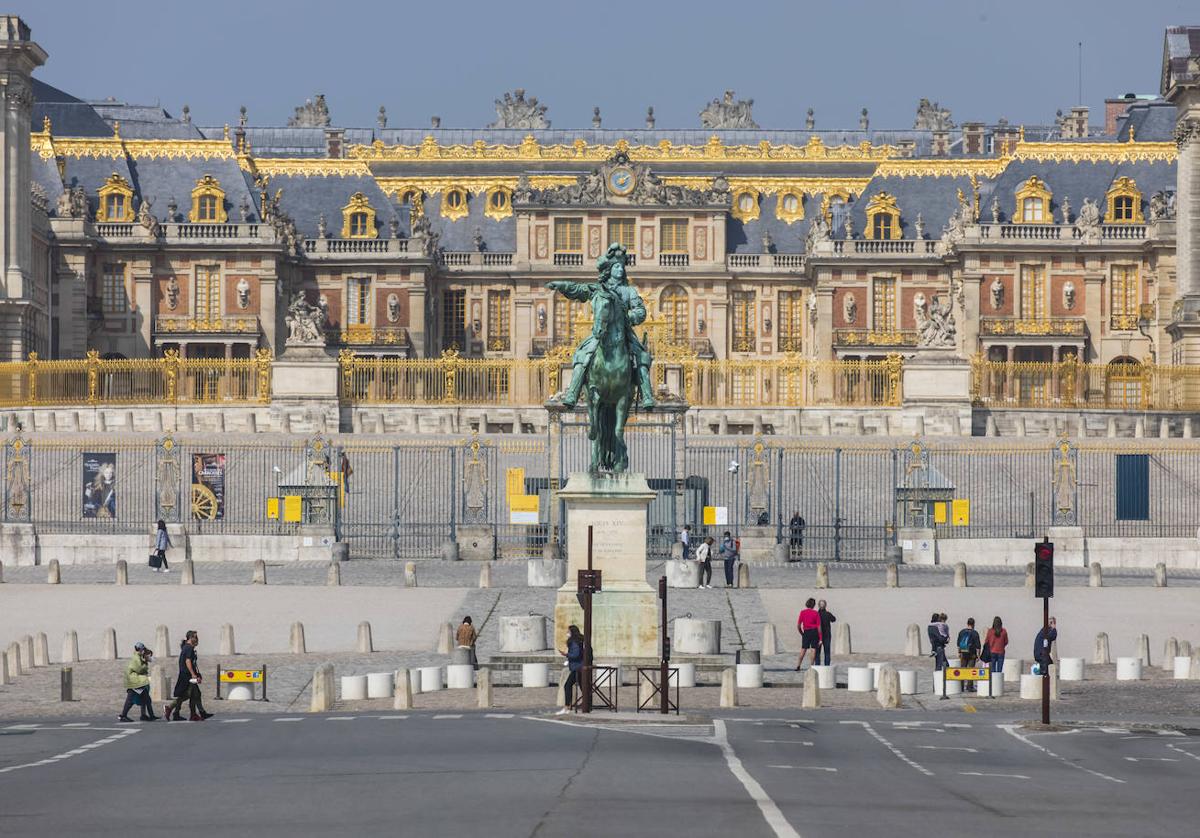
[1033,202]
[166,479]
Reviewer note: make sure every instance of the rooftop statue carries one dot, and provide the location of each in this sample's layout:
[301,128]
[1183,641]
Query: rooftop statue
[312,114]
[611,366]
[931,116]
[726,113]
[515,111]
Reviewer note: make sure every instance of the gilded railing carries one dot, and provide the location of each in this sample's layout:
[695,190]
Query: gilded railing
[1059,326]
[1073,385]
[167,380]
[865,337]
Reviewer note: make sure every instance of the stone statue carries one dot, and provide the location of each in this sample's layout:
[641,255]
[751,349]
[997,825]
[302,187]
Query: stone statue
[850,309]
[611,365]
[810,120]
[148,222]
[322,227]
[244,210]
[726,113]
[1065,209]
[1069,295]
[848,225]
[1064,483]
[768,244]
[956,227]
[381,119]
[1162,205]
[62,207]
[394,227]
[596,117]
[936,328]
[173,210]
[393,308]
[812,309]
[648,189]
[864,121]
[931,116]
[650,116]
[523,194]
[477,240]
[243,293]
[79,203]
[997,291]
[172,293]
[1087,225]
[919,227]
[818,233]
[515,111]
[311,114]
[305,322]
[995,210]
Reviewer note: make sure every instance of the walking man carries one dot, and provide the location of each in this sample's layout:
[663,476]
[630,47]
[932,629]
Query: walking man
[685,538]
[827,621]
[704,556]
[968,649]
[187,683]
[1041,645]
[796,536]
[729,553]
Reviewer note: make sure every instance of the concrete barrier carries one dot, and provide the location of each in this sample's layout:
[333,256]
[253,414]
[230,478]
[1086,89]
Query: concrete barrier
[260,573]
[1182,668]
[728,688]
[770,641]
[892,575]
[887,690]
[445,640]
[545,573]
[240,692]
[1129,669]
[364,645]
[826,676]
[1070,669]
[162,642]
[460,676]
[535,675]
[523,633]
[296,641]
[683,573]
[322,689]
[110,644]
[354,687]
[402,692]
[1170,650]
[749,676]
[841,639]
[993,687]
[483,688]
[685,676]
[811,698]
[431,679]
[122,572]
[14,661]
[1095,575]
[1101,656]
[743,575]
[908,681]
[859,679]
[960,575]
[188,576]
[410,574]
[41,649]
[227,645]
[70,648]
[1143,645]
[333,575]
[952,687]
[381,684]
[1013,669]
[1031,686]
[6,674]
[822,575]
[696,637]
[485,576]
[53,573]
[912,641]
[1160,575]
[1195,676]
[160,684]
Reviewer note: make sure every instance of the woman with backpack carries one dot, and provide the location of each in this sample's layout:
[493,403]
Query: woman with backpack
[994,644]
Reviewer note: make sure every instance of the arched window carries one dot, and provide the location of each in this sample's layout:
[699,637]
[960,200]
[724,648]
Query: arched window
[208,202]
[1033,202]
[1124,203]
[674,308]
[745,205]
[883,217]
[454,203]
[116,199]
[790,207]
[499,203]
[1124,383]
[358,218]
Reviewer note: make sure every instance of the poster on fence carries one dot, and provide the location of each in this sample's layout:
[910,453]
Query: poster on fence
[99,485]
[208,487]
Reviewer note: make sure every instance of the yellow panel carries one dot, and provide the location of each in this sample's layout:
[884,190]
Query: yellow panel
[961,511]
[710,516]
[514,483]
[273,509]
[939,513]
[241,676]
[291,509]
[967,674]
[523,503]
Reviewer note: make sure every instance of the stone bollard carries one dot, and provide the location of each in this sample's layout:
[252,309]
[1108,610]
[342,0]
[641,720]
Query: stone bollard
[1160,575]
[696,637]
[260,573]
[227,646]
[1095,576]
[960,575]
[485,576]
[770,643]
[188,577]
[410,574]
[5,678]
[887,693]
[53,574]
[110,644]
[1170,650]
[812,690]
[41,649]
[1195,669]
[822,575]
[1185,649]
[333,576]
[1,573]
[12,664]
[402,697]
[122,572]
[893,575]
[323,689]
[743,575]
[1101,655]
[160,685]
[445,639]
[27,653]
[560,693]
[364,645]
[70,647]
[841,639]
[1054,682]
[912,641]
[1143,645]
[1029,576]
[162,642]
[296,639]
[729,687]
[483,688]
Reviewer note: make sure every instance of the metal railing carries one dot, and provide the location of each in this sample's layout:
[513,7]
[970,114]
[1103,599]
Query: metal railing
[1056,326]
[1072,385]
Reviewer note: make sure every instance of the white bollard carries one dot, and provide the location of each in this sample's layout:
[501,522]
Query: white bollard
[188,576]
[460,676]
[1183,667]
[859,679]
[686,676]
[1031,686]
[53,573]
[908,682]
[523,633]
[431,679]
[749,676]
[414,681]
[122,572]
[110,644]
[1129,669]
[822,575]
[912,641]
[364,645]
[1070,669]
[485,576]
[333,576]
[535,675]
[1170,650]
[41,650]
[70,647]
[354,687]
[995,685]
[826,676]
[227,646]
[1014,668]
[952,687]
[1160,575]
[402,696]
[1095,576]
[1195,676]
[240,692]
[381,684]
[296,640]
[770,643]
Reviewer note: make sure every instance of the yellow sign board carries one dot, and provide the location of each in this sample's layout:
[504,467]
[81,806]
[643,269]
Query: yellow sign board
[292,509]
[967,674]
[523,509]
[960,512]
[514,483]
[241,676]
[939,512]
[716,516]
[273,509]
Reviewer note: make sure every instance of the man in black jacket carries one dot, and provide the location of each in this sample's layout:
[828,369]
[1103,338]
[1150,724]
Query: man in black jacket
[968,650]
[827,621]
[937,643]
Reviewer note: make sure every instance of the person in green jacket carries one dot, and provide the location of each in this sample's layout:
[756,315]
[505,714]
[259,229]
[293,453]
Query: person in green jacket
[137,684]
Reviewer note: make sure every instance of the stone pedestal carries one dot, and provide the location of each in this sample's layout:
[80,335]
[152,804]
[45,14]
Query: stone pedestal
[758,543]
[918,546]
[304,390]
[476,543]
[1068,546]
[18,544]
[625,613]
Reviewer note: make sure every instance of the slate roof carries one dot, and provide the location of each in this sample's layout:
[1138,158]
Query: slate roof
[91,173]
[68,115]
[159,180]
[933,198]
[306,199]
[1152,121]
[499,236]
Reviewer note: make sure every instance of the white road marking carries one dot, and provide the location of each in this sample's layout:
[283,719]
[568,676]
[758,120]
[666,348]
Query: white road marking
[985,774]
[1151,759]
[449,716]
[233,721]
[785,742]
[78,724]
[289,719]
[900,755]
[948,748]
[766,805]
[956,724]
[498,715]
[341,718]
[73,752]
[1012,731]
[391,718]
[1179,750]
[1115,730]
[22,727]
[807,767]
[1171,733]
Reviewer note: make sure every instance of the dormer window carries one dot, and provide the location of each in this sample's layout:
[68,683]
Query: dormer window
[358,218]
[114,206]
[745,205]
[1033,202]
[883,217]
[499,203]
[358,225]
[208,202]
[790,207]
[1124,203]
[1032,211]
[454,203]
[116,200]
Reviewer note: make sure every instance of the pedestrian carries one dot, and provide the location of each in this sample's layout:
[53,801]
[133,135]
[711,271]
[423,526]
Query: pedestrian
[465,637]
[944,628]
[729,552]
[968,649]
[137,685]
[796,536]
[704,556]
[162,543]
[574,656]
[1041,645]
[827,621]
[187,683]
[995,642]
[809,626]
[937,643]
[685,538]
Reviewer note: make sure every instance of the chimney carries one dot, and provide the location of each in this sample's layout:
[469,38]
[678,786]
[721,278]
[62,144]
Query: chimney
[1114,109]
[972,137]
[334,142]
[1006,138]
[1075,126]
[941,142]
[906,148]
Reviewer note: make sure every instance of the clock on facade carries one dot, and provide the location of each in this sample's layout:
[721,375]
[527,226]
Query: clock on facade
[621,180]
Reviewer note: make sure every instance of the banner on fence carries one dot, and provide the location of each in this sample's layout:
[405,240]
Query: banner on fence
[523,509]
[292,509]
[99,485]
[208,487]
[716,516]
[960,512]
[272,509]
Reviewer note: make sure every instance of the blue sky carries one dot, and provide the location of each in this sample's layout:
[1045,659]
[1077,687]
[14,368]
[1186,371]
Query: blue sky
[983,60]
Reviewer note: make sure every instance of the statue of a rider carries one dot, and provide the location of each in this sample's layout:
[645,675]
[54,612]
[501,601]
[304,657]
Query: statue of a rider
[611,267]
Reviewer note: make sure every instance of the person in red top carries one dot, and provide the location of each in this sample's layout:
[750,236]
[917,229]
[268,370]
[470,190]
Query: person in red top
[809,626]
[996,641]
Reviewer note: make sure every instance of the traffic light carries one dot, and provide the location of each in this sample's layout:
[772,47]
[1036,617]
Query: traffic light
[1043,570]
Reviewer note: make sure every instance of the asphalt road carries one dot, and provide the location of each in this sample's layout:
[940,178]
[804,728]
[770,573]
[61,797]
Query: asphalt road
[817,773]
